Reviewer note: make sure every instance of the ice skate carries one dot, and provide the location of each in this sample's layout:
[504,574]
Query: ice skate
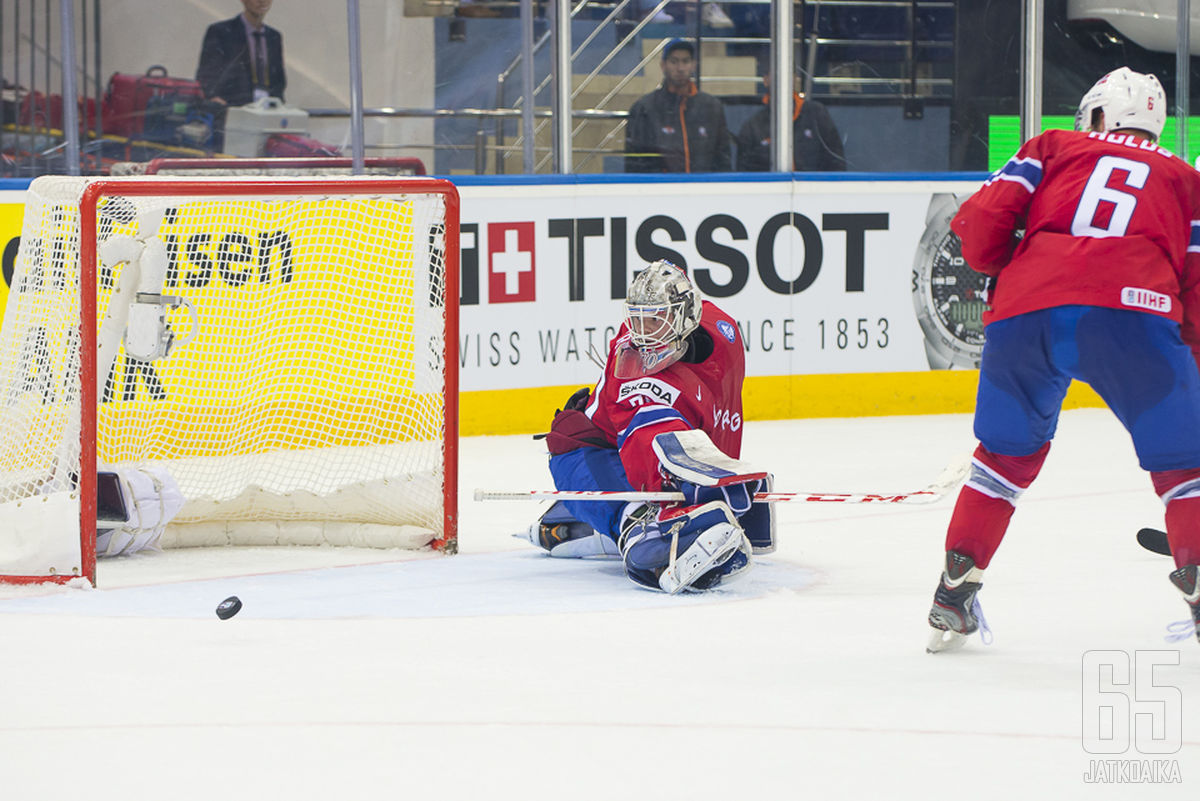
[558,532]
[955,613]
[554,527]
[1185,580]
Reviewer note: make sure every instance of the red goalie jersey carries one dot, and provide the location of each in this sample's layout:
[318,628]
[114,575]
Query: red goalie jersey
[1109,220]
[702,391]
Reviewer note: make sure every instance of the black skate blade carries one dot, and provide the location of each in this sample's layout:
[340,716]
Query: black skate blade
[1154,541]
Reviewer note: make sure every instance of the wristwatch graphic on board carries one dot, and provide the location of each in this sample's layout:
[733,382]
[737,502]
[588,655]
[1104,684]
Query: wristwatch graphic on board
[948,295]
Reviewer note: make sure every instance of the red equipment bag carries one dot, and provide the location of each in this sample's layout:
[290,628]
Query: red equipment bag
[35,110]
[287,145]
[42,111]
[134,104]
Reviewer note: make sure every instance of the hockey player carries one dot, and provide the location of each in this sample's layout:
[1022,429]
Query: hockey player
[666,414]
[1104,287]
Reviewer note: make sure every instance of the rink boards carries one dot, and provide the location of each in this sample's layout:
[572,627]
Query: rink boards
[823,277]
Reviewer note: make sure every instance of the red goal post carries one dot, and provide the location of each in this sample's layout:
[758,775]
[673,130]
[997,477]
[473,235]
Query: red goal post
[312,395]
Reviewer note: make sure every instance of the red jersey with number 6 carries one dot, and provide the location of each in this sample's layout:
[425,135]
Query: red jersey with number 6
[1109,220]
[703,390]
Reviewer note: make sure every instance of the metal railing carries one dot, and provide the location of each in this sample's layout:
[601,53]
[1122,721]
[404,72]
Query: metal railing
[27,28]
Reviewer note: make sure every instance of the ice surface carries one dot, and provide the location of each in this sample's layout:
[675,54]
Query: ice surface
[499,673]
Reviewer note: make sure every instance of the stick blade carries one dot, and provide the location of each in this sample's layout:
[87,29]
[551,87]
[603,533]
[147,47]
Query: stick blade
[1154,541]
[952,475]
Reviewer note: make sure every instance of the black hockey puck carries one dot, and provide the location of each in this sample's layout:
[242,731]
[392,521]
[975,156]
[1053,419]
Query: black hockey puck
[229,607]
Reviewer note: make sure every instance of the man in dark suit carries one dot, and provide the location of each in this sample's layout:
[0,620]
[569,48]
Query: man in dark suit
[241,60]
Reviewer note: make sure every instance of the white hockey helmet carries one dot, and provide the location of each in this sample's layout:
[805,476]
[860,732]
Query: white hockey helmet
[1128,99]
[662,308]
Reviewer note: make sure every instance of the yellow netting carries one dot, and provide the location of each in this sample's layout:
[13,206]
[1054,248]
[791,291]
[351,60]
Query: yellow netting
[314,374]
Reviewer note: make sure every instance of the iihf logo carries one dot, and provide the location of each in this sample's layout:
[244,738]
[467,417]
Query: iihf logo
[726,329]
[1140,298]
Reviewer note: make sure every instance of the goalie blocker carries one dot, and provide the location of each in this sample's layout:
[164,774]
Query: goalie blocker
[703,473]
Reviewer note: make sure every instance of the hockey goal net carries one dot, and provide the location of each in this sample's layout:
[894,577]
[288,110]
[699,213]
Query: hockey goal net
[283,348]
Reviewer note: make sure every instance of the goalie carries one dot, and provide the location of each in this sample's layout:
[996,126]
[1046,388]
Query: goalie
[666,414]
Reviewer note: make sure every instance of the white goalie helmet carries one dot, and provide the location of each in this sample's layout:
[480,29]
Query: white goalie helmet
[1128,99]
[662,308]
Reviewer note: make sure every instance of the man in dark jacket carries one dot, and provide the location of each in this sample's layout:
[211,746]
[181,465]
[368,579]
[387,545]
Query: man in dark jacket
[677,128]
[241,59]
[816,144]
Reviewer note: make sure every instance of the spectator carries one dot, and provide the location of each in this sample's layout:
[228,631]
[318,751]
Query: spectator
[241,59]
[677,128]
[816,144]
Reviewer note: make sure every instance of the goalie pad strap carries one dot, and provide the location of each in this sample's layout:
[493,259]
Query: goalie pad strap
[692,457]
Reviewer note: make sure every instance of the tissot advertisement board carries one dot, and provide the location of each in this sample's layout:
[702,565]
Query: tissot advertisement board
[821,277]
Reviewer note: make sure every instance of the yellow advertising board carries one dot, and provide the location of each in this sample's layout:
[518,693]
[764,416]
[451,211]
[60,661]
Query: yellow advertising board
[11,213]
[304,316]
[300,323]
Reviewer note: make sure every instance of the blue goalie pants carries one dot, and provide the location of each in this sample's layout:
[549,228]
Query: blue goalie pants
[592,469]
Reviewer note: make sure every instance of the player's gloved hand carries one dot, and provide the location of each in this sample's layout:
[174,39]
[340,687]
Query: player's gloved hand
[739,497]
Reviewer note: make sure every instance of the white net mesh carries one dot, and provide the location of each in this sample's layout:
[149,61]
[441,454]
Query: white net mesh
[310,388]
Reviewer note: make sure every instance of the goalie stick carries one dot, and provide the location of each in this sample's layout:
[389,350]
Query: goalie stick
[948,480]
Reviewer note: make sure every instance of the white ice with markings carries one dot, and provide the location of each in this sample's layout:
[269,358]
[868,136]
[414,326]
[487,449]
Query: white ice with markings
[500,673]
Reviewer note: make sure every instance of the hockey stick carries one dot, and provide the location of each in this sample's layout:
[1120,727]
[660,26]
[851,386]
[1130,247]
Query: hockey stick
[948,480]
[1154,540]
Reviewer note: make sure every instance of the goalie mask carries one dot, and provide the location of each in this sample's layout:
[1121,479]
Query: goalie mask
[1128,99]
[662,309]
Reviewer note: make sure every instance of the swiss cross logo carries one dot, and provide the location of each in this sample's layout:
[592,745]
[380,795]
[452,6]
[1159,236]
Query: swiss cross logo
[510,262]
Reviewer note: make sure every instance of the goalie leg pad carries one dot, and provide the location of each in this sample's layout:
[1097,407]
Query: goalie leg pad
[691,548]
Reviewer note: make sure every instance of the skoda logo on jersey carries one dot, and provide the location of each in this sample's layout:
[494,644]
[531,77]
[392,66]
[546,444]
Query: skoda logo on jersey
[651,388]
[726,329]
